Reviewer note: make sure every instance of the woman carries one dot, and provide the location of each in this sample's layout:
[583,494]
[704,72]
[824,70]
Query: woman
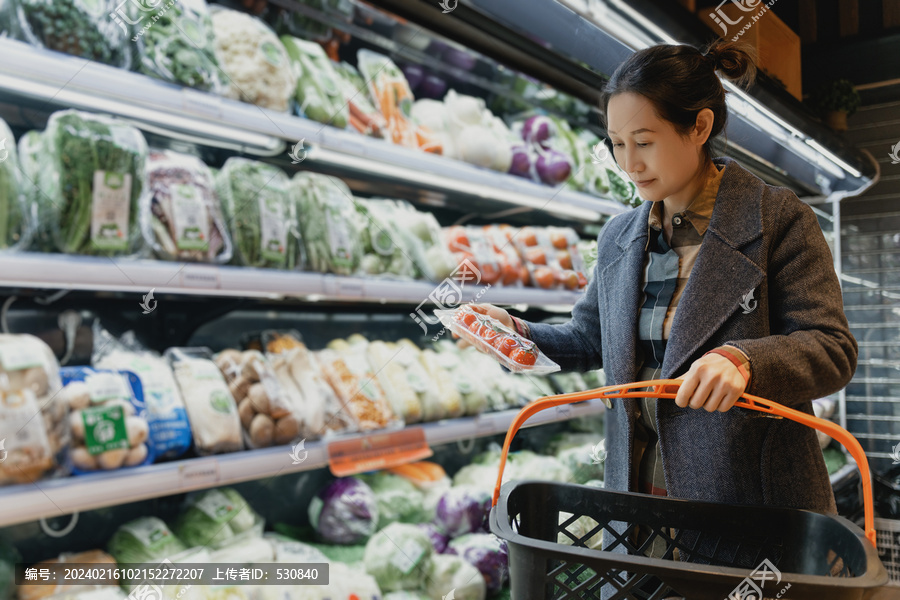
[717,279]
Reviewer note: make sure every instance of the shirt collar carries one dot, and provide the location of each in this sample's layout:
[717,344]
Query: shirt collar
[698,213]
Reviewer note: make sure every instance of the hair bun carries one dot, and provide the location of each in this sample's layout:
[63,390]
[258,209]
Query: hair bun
[736,61]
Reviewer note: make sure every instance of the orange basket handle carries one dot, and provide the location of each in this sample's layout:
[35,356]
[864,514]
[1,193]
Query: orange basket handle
[663,389]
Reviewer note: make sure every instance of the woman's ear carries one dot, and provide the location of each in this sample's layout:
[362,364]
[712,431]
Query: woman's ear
[703,126]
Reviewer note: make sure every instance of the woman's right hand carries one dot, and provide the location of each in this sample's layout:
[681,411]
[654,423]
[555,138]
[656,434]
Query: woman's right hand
[492,311]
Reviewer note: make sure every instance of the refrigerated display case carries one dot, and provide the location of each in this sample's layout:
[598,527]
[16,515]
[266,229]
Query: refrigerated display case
[491,68]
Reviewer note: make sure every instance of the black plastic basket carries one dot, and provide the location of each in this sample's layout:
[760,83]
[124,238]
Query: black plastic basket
[713,551]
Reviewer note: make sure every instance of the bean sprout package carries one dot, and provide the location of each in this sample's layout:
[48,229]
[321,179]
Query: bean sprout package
[511,350]
[215,423]
[34,423]
[108,419]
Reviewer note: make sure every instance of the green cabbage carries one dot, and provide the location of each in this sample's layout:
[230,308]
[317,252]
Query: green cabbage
[398,499]
[447,572]
[144,540]
[215,518]
[397,557]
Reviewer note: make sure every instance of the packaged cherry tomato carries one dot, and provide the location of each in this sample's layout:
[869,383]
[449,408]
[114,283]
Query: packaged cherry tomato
[472,245]
[513,270]
[516,353]
[551,257]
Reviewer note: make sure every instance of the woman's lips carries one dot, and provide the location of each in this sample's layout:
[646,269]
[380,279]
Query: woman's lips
[644,183]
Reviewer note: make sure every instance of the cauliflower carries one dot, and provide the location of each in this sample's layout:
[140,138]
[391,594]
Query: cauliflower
[254,59]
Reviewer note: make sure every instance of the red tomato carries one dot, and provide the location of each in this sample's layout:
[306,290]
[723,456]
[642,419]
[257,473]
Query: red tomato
[468,318]
[543,277]
[559,240]
[569,279]
[565,259]
[507,344]
[475,326]
[528,236]
[489,334]
[523,356]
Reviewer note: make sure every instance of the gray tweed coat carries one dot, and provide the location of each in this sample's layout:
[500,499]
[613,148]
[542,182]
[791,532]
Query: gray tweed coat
[761,238]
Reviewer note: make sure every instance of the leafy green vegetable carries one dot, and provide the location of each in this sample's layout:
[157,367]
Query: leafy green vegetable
[144,540]
[33,180]
[328,219]
[398,499]
[12,210]
[80,27]
[834,459]
[383,244]
[261,214]
[180,47]
[97,175]
[215,518]
[318,92]
[398,556]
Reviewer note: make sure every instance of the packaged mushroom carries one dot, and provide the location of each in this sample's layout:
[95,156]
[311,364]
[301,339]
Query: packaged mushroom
[267,410]
[213,413]
[34,426]
[108,419]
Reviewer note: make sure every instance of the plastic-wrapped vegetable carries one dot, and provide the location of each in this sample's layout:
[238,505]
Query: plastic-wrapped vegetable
[451,402]
[14,225]
[181,218]
[143,540]
[472,389]
[33,179]
[398,499]
[216,518]
[180,46]
[96,166]
[215,423]
[392,377]
[552,258]
[109,421]
[409,357]
[34,419]
[261,214]
[448,572]
[267,411]
[170,432]
[487,553]
[384,247]
[328,220]
[255,61]
[397,557]
[462,510]
[348,371]
[423,237]
[344,512]
[90,29]
[318,93]
[363,116]
[38,592]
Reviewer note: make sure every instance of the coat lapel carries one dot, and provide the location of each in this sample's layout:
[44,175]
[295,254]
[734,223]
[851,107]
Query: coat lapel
[622,298]
[722,274]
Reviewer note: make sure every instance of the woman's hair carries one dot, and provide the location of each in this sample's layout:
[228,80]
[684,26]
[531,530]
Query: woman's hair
[681,80]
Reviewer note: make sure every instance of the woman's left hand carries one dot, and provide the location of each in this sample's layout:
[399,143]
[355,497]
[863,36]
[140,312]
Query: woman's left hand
[712,383]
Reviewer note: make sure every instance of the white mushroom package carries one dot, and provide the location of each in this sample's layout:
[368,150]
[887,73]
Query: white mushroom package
[108,419]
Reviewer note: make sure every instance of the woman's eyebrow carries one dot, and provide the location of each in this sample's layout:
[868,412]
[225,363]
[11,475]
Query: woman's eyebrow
[635,132]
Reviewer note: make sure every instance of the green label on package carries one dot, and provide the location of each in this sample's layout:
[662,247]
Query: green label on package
[104,429]
[150,532]
[216,505]
[110,210]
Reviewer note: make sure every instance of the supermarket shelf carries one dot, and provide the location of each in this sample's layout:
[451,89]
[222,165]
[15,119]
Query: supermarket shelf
[67,81]
[53,498]
[64,272]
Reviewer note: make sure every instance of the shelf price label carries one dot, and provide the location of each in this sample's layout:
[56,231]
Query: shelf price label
[195,474]
[377,451]
[201,103]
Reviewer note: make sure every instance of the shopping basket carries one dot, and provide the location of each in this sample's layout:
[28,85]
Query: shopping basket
[713,550]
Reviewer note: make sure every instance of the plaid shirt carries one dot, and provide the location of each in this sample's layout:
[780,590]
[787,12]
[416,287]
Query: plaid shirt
[667,267]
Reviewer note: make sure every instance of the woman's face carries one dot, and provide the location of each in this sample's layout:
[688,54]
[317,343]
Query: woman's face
[661,161]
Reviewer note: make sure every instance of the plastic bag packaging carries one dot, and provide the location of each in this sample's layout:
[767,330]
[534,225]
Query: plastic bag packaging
[392,377]
[170,432]
[470,245]
[181,218]
[451,402]
[318,93]
[298,370]
[261,214]
[422,237]
[408,356]
[34,420]
[216,518]
[90,557]
[32,178]
[364,117]
[215,422]
[257,65]
[472,389]
[348,371]
[180,46]
[514,352]
[267,411]
[96,172]
[552,257]
[328,220]
[15,226]
[385,249]
[389,88]
[94,30]
[513,270]
[108,417]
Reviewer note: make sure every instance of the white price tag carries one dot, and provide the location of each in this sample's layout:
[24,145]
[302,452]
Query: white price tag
[204,278]
[199,103]
[350,287]
[198,473]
